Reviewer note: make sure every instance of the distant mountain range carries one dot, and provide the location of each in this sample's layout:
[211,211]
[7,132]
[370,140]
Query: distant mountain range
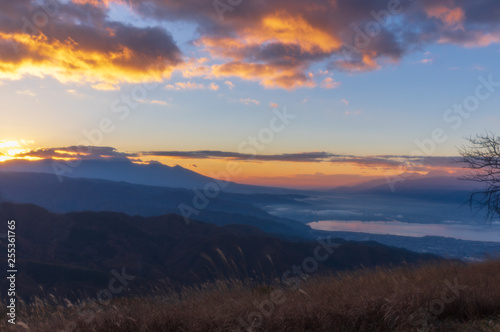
[74,253]
[124,170]
[157,174]
[434,188]
[82,194]
[406,181]
[113,169]
[154,189]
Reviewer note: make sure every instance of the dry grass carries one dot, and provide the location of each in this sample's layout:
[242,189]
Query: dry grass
[399,299]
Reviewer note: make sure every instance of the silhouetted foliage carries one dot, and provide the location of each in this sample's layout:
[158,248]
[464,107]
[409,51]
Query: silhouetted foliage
[483,158]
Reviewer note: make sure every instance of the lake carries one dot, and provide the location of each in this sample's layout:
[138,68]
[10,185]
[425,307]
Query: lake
[486,232]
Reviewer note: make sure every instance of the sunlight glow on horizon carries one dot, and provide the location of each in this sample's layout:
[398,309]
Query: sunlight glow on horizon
[166,78]
[298,174]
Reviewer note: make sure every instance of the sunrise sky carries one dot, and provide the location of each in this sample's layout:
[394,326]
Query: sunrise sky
[366,83]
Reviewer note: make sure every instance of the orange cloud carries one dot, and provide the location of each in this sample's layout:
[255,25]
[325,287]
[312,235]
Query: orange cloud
[479,39]
[277,48]
[451,17]
[194,67]
[222,48]
[367,63]
[329,83]
[274,42]
[192,86]
[269,76]
[96,3]
[287,29]
[280,29]
[67,62]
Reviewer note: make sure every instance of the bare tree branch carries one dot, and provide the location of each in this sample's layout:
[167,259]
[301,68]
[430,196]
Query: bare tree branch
[483,157]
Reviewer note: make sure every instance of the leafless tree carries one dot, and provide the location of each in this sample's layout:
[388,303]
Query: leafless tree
[482,156]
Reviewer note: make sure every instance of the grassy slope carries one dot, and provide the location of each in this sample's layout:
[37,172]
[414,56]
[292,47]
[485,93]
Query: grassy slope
[399,299]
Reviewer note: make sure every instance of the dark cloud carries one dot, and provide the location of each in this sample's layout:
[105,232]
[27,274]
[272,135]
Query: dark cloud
[402,163]
[353,35]
[392,161]
[371,161]
[206,154]
[79,42]
[83,152]
[272,42]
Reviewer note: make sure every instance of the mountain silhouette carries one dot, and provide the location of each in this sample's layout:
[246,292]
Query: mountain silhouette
[122,169]
[82,194]
[77,251]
